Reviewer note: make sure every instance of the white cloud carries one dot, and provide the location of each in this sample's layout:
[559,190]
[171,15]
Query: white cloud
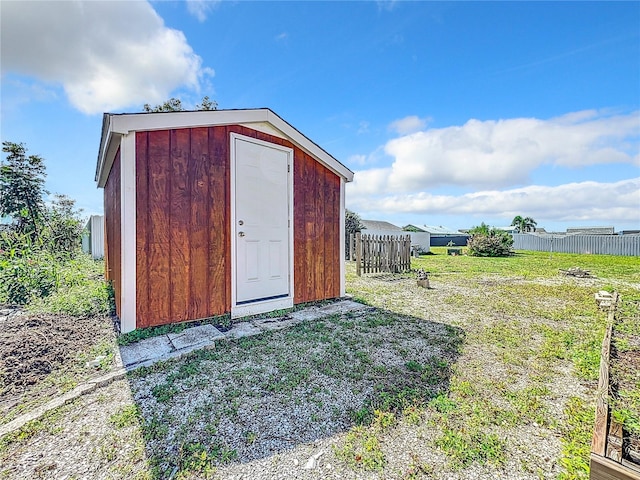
[583,201]
[504,152]
[282,36]
[200,8]
[106,55]
[409,124]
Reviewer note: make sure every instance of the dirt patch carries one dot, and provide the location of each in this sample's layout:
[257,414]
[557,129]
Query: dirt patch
[34,348]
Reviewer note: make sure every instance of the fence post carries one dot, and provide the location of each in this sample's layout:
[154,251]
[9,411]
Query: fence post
[351,240]
[358,253]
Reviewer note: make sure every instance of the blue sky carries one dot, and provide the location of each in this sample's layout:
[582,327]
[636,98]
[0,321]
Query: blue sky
[449,113]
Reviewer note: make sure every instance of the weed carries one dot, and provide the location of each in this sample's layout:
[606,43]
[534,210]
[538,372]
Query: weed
[382,420]
[361,448]
[195,458]
[576,440]
[443,404]
[417,469]
[126,416]
[466,447]
[363,416]
[251,437]
[413,414]
[164,392]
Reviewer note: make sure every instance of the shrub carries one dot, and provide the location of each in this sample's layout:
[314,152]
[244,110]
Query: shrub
[488,241]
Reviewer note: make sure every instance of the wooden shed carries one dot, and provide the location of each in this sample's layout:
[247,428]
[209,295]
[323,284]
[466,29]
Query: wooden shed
[209,212]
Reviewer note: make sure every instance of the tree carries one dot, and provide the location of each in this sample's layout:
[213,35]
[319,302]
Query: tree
[524,224]
[22,188]
[171,105]
[207,104]
[63,229]
[352,224]
[175,105]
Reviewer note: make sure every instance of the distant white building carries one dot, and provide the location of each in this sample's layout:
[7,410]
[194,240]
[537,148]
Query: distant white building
[93,237]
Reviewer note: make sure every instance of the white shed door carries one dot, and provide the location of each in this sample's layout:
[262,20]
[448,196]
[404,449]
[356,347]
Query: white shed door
[261,221]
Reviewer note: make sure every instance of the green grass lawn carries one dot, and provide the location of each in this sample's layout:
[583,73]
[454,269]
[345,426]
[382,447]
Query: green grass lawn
[522,317]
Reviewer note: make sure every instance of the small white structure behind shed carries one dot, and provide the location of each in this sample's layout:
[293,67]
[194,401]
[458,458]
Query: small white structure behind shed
[93,237]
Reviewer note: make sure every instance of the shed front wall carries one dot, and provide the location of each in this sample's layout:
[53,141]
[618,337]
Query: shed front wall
[183,250]
[113,226]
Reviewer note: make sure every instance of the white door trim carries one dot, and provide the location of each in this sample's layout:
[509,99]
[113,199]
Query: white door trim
[265,305]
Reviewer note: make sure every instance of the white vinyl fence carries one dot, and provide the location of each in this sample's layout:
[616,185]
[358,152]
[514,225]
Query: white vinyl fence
[627,245]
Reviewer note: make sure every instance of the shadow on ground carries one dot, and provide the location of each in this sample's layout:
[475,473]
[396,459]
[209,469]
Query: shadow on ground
[251,398]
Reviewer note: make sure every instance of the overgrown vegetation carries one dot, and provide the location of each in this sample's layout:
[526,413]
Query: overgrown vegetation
[41,262]
[485,241]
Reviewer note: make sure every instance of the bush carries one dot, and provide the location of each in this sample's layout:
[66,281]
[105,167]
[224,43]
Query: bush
[489,242]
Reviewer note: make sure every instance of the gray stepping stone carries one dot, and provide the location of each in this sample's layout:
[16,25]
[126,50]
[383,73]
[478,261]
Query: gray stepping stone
[244,329]
[145,349]
[201,335]
[305,315]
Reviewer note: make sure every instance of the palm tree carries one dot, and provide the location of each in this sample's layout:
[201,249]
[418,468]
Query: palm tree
[524,224]
[517,222]
[529,224]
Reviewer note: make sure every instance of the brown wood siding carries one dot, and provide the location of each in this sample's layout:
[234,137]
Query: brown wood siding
[183,219]
[112,219]
[182,179]
[316,196]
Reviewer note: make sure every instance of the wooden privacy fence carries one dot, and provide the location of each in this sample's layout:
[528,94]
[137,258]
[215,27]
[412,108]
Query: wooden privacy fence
[382,253]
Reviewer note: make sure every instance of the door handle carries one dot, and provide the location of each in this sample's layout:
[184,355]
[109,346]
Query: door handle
[241,234]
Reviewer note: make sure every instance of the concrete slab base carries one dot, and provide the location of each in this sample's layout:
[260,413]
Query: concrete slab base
[202,334]
[145,349]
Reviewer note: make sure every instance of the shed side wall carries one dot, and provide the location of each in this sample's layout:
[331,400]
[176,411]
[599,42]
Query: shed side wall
[183,220]
[113,216]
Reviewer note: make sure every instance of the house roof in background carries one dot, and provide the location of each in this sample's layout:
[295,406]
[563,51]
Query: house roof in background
[591,231]
[379,225]
[412,228]
[434,230]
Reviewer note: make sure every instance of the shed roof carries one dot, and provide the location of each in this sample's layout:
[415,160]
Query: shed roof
[114,125]
[379,225]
